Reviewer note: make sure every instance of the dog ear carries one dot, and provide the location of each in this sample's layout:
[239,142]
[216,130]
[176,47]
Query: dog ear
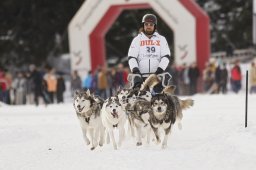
[88,92]
[76,92]
[118,88]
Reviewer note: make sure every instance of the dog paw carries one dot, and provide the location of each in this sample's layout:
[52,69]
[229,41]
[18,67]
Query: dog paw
[87,142]
[100,144]
[164,146]
[158,141]
[179,126]
[115,147]
[119,144]
[139,143]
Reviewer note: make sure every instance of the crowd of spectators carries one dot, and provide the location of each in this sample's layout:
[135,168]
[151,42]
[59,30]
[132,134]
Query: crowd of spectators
[28,87]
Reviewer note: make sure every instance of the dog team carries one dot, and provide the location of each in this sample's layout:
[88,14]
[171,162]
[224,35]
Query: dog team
[144,112]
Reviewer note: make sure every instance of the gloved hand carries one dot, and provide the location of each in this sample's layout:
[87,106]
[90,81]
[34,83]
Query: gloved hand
[158,88]
[136,70]
[159,70]
[137,82]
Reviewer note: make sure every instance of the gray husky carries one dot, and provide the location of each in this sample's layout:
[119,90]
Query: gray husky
[88,107]
[166,109]
[139,109]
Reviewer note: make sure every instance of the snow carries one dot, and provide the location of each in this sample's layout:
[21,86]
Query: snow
[213,137]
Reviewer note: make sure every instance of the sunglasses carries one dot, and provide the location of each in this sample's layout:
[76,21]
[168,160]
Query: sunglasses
[149,24]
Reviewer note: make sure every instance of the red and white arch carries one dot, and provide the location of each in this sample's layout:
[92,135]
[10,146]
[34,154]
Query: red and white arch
[93,20]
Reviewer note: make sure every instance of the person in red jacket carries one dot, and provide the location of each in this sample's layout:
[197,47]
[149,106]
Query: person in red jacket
[236,77]
[3,87]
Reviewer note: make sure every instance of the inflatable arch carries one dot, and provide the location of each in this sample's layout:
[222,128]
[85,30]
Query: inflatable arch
[89,26]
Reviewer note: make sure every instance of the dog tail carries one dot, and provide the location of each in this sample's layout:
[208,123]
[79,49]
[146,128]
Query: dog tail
[169,89]
[150,82]
[185,104]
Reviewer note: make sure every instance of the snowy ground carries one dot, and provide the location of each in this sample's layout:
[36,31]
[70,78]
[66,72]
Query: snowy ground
[50,138]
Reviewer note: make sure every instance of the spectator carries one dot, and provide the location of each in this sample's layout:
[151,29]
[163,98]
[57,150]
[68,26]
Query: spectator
[236,77]
[193,74]
[252,78]
[51,84]
[76,83]
[37,79]
[184,80]
[208,76]
[112,81]
[30,88]
[102,83]
[126,73]
[175,75]
[61,87]
[19,86]
[120,76]
[3,87]
[8,77]
[221,78]
[87,83]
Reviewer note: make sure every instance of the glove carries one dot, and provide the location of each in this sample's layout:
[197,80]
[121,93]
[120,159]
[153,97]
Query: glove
[158,88]
[159,70]
[137,82]
[136,70]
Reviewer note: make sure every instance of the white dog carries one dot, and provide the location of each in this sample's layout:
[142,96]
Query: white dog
[113,116]
[88,113]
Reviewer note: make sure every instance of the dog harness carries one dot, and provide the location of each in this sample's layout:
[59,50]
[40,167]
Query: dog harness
[87,119]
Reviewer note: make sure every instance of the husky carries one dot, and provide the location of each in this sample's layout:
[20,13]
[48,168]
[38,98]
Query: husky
[87,107]
[169,90]
[122,96]
[139,117]
[166,108]
[139,109]
[113,116]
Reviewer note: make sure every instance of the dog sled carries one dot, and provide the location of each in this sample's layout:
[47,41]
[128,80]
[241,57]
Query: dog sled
[165,78]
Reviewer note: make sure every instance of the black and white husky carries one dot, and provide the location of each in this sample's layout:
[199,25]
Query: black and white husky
[113,116]
[139,109]
[122,95]
[139,116]
[166,108]
[88,107]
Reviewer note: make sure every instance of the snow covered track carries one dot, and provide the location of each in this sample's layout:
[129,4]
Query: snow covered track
[213,137]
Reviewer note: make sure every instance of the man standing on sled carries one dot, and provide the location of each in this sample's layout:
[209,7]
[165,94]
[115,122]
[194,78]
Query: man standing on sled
[149,53]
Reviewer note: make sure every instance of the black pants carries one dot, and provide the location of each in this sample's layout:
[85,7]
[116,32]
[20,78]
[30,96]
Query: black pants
[39,93]
[60,97]
[51,96]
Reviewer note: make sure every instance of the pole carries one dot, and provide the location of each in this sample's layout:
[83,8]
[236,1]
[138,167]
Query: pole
[246,99]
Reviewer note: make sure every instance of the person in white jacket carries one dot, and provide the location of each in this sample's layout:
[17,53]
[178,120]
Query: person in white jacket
[149,52]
